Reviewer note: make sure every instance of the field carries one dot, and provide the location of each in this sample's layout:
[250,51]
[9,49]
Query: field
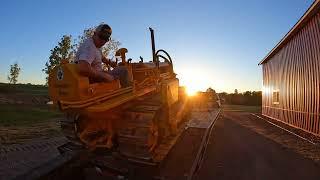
[22,115]
[25,114]
[241,108]
[28,89]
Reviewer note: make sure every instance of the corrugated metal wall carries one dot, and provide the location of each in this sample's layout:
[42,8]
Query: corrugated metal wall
[295,73]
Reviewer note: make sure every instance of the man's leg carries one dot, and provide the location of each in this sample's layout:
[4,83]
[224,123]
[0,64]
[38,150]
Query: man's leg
[121,73]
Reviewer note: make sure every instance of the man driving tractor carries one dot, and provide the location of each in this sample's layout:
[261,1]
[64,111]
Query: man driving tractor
[89,58]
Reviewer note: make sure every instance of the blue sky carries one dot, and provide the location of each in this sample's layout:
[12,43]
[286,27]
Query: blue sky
[213,43]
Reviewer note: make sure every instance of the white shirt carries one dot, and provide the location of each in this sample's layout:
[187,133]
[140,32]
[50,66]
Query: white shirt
[89,52]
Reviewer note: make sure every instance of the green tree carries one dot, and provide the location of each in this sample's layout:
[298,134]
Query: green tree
[63,51]
[14,73]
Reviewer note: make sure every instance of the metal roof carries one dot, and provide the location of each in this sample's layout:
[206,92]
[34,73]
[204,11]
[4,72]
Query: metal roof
[313,10]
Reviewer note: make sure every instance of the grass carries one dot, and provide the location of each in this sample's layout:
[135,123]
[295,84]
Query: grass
[29,89]
[242,108]
[22,115]
[22,122]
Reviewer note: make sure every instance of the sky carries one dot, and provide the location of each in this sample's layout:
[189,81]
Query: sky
[213,43]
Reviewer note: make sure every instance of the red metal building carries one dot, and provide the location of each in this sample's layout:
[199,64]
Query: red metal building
[291,75]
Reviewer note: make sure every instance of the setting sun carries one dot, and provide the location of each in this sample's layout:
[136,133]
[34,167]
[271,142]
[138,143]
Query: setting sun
[191,91]
[196,79]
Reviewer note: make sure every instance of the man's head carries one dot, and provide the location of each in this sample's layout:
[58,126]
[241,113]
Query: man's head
[102,35]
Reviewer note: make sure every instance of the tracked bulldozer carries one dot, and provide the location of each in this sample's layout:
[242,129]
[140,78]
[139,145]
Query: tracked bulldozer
[136,120]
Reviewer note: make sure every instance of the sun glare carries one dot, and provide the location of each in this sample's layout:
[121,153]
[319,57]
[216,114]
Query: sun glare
[194,80]
[198,79]
[191,91]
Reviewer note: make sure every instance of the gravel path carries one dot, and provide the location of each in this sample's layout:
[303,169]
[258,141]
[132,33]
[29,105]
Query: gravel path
[242,147]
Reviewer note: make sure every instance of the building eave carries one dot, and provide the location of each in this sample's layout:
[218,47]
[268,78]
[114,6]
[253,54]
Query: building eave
[312,11]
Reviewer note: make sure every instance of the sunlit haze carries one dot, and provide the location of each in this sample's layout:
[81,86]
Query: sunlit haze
[214,44]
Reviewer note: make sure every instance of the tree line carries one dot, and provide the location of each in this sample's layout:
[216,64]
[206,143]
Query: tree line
[251,98]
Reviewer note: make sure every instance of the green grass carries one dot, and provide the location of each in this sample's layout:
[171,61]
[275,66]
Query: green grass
[29,89]
[22,115]
[242,108]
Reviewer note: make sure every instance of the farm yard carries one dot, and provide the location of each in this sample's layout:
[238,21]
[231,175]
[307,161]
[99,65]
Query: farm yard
[160,91]
[25,114]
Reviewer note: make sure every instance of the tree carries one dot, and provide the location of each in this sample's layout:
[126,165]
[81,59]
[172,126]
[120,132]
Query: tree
[14,73]
[210,90]
[63,51]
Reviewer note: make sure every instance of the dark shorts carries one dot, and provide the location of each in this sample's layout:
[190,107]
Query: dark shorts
[121,73]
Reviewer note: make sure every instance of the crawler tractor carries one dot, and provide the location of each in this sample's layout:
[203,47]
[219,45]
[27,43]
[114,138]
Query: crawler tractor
[136,120]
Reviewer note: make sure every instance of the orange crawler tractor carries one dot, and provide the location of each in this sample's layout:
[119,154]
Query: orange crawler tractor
[135,119]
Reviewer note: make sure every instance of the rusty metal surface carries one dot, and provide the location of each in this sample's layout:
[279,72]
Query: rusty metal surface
[189,150]
[180,159]
[213,115]
[295,73]
[19,159]
[201,119]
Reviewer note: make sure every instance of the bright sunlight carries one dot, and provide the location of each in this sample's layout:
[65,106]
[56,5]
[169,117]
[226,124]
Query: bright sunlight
[196,80]
[191,91]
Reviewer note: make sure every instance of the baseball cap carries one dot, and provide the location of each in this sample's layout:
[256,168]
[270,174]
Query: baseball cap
[103,31]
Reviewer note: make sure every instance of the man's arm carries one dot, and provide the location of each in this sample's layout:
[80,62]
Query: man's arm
[108,61]
[86,70]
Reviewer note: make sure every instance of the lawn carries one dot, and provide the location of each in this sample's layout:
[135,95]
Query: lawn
[30,89]
[21,123]
[242,108]
[22,115]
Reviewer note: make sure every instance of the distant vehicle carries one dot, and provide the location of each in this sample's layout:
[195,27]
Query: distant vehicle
[213,98]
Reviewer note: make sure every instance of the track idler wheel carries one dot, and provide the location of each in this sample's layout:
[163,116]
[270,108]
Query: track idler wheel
[153,138]
[89,133]
[69,127]
[96,133]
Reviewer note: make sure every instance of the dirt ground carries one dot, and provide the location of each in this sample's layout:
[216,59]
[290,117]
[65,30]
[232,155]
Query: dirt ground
[244,147]
[25,114]
[29,129]
[273,133]
[22,134]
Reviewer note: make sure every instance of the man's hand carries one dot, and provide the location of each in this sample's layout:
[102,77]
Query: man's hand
[105,76]
[105,60]
[109,62]
[86,70]
[113,64]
